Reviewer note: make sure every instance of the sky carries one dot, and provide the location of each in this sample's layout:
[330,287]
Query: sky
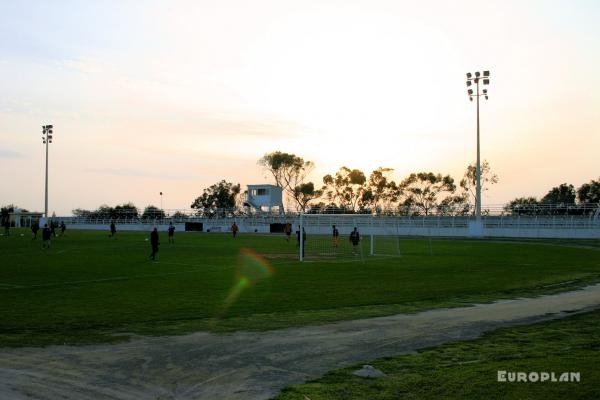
[174,96]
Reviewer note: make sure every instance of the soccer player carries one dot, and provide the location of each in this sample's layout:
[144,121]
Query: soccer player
[46,235]
[336,236]
[234,229]
[287,229]
[354,239]
[154,243]
[53,228]
[6,223]
[113,229]
[35,227]
[171,233]
[63,228]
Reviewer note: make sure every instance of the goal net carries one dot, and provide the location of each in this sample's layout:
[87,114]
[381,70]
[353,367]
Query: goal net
[330,236]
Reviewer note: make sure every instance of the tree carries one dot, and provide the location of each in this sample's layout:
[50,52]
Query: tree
[123,211]
[523,205]
[382,191]
[559,199]
[330,208]
[348,188]
[4,213]
[469,180]
[288,170]
[562,194]
[126,211]
[424,189]
[104,212]
[80,212]
[589,193]
[5,210]
[153,212]
[178,215]
[455,205]
[305,193]
[221,195]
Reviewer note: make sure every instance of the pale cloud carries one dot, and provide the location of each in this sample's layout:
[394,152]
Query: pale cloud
[142,173]
[85,65]
[5,153]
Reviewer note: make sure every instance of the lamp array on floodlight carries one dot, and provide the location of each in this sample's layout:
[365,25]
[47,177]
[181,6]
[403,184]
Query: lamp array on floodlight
[475,79]
[47,134]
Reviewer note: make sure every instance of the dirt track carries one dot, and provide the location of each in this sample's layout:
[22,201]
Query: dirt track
[254,365]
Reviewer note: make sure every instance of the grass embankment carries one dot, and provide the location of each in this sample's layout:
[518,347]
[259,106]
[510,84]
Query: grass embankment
[469,369]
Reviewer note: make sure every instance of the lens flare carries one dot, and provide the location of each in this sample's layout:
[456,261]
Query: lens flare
[252,266]
[251,269]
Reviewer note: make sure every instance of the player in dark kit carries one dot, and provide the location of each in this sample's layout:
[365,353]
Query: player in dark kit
[336,236]
[287,229]
[171,233]
[6,224]
[53,228]
[113,229]
[46,235]
[35,227]
[354,239]
[63,228]
[234,229]
[154,243]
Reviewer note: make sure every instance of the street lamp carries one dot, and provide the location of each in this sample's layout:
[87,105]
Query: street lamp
[485,80]
[46,139]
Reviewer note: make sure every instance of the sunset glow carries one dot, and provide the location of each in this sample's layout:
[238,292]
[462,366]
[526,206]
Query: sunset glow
[174,96]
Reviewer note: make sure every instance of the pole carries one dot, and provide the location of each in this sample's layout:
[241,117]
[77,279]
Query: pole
[372,252]
[478,171]
[46,196]
[162,213]
[398,236]
[301,233]
[429,236]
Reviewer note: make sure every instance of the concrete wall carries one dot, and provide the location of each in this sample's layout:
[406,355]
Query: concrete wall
[126,227]
[213,227]
[345,229]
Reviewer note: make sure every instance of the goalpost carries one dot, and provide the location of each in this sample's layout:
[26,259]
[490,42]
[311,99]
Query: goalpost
[379,236]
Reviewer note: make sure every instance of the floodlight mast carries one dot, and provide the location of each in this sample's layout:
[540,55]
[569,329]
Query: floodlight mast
[46,139]
[470,80]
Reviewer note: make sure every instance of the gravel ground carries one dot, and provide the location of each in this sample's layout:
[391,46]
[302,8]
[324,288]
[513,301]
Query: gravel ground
[255,365]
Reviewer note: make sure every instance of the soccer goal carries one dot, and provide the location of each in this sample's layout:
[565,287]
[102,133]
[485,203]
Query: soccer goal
[330,236]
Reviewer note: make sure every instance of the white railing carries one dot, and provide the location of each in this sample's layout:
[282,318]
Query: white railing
[435,221]
[446,211]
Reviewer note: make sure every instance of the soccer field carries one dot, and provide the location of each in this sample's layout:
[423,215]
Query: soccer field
[90,288]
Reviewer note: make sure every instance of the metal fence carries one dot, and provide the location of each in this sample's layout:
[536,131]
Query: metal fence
[494,215]
[435,221]
[584,209]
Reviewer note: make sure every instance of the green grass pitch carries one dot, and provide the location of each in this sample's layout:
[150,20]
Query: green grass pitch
[89,288]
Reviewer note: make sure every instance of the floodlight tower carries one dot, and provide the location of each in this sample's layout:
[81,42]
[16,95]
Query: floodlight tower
[470,81]
[46,139]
